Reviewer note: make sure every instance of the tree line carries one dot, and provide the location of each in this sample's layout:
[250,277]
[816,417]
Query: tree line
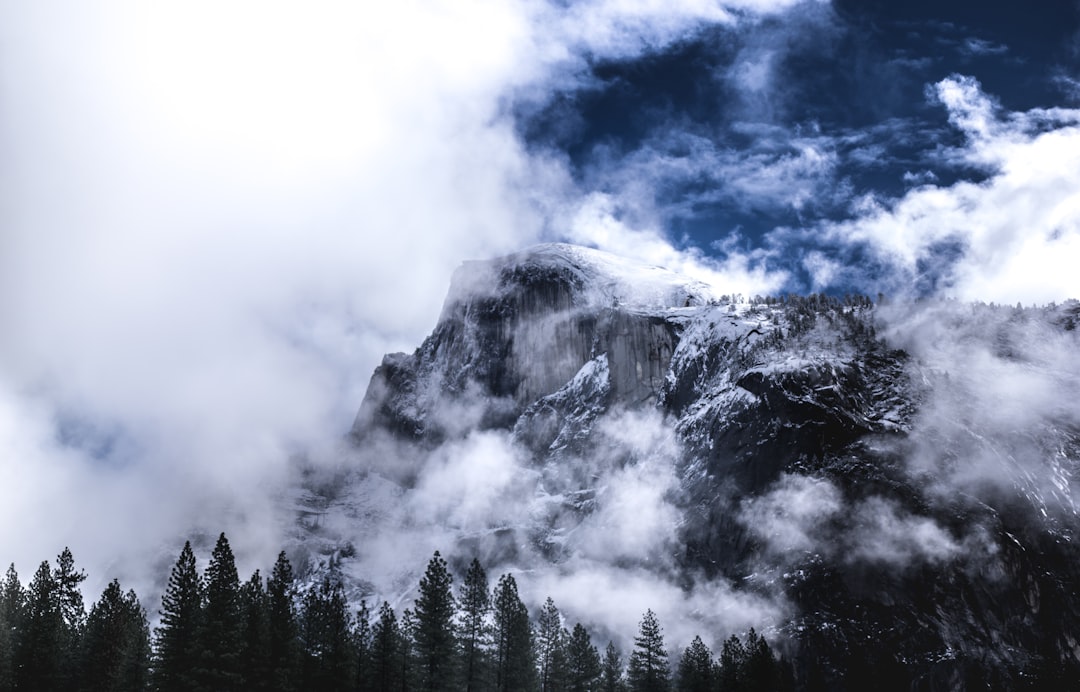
[218,633]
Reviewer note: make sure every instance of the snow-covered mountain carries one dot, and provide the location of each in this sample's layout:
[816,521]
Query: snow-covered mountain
[886,490]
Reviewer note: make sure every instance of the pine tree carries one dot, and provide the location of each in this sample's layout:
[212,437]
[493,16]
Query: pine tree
[7,655]
[327,651]
[12,598]
[549,647]
[433,638]
[475,599]
[514,658]
[559,663]
[116,645]
[583,661]
[12,602]
[284,651]
[362,641]
[68,580]
[696,668]
[762,674]
[732,670]
[385,652]
[40,654]
[611,677]
[255,634]
[72,612]
[220,636]
[648,669]
[176,640]
[407,671]
[137,672]
[785,675]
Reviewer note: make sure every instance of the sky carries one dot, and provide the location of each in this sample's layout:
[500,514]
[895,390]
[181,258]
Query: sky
[216,217]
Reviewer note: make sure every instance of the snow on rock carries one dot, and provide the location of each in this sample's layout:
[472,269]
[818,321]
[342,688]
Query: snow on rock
[593,278]
[552,373]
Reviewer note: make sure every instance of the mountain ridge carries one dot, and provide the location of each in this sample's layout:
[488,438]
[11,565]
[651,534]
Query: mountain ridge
[831,461]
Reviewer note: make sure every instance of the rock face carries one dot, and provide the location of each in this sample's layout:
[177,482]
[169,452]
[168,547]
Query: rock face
[870,467]
[517,330]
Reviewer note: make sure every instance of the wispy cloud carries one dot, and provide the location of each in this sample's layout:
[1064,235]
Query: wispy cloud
[979,46]
[1010,235]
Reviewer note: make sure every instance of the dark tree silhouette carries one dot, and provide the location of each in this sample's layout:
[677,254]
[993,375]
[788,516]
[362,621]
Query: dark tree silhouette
[72,614]
[254,634]
[762,674]
[220,635]
[696,668]
[116,644]
[648,670]
[406,654]
[514,660]
[582,661]
[282,627]
[732,669]
[386,648]
[12,600]
[176,640]
[611,676]
[7,655]
[475,634]
[39,656]
[329,660]
[550,647]
[361,638]
[433,637]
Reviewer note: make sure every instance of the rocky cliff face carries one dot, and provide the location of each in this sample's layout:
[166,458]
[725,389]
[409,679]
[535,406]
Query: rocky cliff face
[899,480]
[517,330]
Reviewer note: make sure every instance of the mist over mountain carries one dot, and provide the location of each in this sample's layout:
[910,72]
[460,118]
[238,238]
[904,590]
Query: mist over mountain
[878,487]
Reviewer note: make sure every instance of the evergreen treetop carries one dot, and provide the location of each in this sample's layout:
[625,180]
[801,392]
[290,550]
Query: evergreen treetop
[648,670]
[434,636]
[176,639]
[474,629]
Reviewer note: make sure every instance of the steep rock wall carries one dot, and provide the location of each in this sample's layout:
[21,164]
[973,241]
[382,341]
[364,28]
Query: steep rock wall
[510,335]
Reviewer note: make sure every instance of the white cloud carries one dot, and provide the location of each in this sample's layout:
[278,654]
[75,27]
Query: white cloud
[1015,232]
[883,533]
[218,216]
[611,601]
[465,485]
[823,270]
[596,222]
[802,515]
[792,518]
[1003,383]
[636,519]
[979,46]
[970,109]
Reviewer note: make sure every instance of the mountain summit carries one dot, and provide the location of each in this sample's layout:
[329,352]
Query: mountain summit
[887,490]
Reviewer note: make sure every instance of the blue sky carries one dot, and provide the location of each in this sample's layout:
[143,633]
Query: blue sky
[759,135]
[217,216]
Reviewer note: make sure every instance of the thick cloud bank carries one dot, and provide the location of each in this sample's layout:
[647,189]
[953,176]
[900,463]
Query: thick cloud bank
[217,217]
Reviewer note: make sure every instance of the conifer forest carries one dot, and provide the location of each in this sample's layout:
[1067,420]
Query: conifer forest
[216,632]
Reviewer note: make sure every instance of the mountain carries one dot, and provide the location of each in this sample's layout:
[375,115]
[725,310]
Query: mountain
[887,490]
